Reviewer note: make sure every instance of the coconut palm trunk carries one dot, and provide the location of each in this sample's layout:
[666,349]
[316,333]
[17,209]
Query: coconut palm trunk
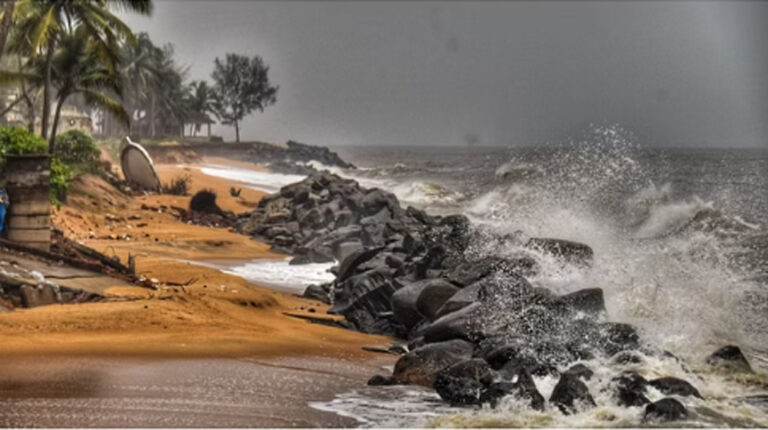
[47,92]
[5,25]
[55,125]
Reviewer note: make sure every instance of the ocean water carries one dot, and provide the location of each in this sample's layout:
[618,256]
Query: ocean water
[681,252]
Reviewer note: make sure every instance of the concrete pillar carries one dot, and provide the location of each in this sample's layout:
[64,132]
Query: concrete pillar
[28,187]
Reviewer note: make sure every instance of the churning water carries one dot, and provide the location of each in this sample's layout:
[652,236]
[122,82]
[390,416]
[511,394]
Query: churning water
[681,252]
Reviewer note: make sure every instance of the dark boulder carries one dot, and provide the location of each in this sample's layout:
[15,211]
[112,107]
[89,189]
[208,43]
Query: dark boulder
[572,252]
[463,298]
[571,394]
[629,389]
[616,337]
[421,366]
[674,387]
[365,301]
[318,292]
[430,261]
[730,357]
[500,356]
[590,301]
[514,380]
[664,410]
[464,383]
[356,258]
[580,371]
[433,296]
[345,248]
[470,272]
[376,200]
[459,391]
[404,304]
[462,324]
[512,356]
[379,380]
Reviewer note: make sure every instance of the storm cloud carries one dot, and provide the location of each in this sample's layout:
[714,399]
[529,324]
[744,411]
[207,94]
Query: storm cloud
[518,73]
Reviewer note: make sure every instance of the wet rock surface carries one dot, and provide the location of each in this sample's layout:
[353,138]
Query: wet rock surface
[664,410]
[477,329]
[571,394]
[729,357]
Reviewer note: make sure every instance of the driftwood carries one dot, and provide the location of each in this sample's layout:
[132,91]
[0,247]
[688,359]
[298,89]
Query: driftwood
[84,250]
[319,320]
[50,256]
[107,261]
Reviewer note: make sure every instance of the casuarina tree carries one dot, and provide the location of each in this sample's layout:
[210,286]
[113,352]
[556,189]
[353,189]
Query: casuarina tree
[241,85]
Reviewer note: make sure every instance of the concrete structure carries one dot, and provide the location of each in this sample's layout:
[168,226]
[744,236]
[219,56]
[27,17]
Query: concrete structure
[28,187]
[71,118]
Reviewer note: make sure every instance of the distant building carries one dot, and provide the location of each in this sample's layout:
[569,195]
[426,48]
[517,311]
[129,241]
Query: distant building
[71,118]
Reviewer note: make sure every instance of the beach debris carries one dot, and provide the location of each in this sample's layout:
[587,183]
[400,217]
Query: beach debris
[179,186]
[205,201]
[235,192]
[137,166]
[22,288]
[320,320]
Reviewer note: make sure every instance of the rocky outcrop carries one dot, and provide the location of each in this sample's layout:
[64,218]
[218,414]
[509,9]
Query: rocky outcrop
[478,330]
[674,386]
[729,357]
[664,410]
[571,394]
[421,366]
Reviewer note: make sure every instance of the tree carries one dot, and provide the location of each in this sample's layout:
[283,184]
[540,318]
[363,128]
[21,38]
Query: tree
[202,101]
[140,71]
[156,97]
[77,67]
[5,23]
[43,23]
[241,85]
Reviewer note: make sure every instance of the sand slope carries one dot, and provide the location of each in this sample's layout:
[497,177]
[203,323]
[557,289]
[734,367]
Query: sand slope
[195,311]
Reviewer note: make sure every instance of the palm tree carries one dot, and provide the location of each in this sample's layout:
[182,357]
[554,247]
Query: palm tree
[77,67]
[201,100]
[42,24]
[5,23]
[140,71]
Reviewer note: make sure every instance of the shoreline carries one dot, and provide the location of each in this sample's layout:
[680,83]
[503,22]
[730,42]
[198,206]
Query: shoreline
[195,312]
[190,392]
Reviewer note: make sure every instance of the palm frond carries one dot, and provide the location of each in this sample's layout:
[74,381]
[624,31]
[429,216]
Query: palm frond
[107,103]
[8,78]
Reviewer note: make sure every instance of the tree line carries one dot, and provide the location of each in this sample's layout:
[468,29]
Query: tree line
[79,52]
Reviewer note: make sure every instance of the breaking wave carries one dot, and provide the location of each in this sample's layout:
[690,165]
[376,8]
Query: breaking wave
[673,264]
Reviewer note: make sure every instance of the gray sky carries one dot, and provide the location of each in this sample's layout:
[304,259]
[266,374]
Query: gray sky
[402,73]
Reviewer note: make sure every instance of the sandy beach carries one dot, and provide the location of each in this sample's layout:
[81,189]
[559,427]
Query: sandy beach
[195,313]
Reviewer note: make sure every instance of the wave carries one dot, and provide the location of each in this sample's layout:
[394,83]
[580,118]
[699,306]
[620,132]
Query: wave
[408,406]
[514,171]
[426,193]
[665,259]
[281,275]
[263,181]
[673,265]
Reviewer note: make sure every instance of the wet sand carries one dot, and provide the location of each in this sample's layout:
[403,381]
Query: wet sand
[93,392]
[204,348]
